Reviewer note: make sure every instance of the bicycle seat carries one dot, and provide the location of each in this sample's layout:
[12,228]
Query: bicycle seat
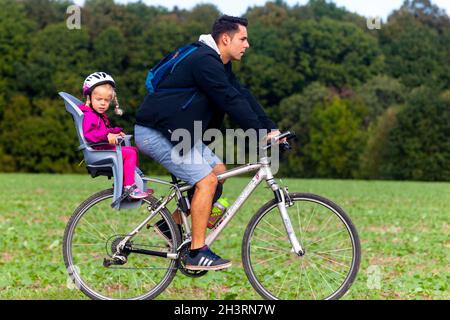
[102,162]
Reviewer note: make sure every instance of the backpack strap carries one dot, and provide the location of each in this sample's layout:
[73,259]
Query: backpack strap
[184,55]
[157,74]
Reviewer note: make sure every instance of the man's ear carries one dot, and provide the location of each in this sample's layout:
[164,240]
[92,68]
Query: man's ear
[225,38]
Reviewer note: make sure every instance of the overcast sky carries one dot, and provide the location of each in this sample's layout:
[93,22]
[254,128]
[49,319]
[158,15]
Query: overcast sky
[368,8]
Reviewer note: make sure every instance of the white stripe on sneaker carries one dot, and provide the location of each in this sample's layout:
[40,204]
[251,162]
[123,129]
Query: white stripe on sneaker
[201,261]
[205,263]
[210,262]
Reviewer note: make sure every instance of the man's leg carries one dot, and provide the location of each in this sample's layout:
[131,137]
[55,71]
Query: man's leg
[201,257]
[218,169]
[201,209]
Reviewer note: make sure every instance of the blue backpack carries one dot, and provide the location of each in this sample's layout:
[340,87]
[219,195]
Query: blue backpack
[166,66]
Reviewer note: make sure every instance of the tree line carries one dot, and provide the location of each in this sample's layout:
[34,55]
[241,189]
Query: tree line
[366,104]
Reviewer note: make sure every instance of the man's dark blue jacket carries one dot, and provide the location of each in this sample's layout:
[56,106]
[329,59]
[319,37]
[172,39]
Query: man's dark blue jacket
[217,92]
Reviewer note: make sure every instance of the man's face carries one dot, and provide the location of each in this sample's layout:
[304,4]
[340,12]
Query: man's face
[237,44]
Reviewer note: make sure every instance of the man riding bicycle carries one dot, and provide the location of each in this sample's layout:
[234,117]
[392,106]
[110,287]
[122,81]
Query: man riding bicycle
[201,88]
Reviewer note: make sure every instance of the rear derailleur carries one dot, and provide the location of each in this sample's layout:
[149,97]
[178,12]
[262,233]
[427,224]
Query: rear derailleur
[119,256]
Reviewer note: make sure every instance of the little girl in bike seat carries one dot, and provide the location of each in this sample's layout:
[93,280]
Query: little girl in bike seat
[99,90]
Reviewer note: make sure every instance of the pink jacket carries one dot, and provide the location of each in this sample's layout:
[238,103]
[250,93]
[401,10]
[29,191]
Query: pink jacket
[96,127]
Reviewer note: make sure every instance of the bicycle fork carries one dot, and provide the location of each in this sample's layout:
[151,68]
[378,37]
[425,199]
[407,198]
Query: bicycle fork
[280,197]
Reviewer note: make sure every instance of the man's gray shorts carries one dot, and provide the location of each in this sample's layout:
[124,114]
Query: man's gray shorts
[191,168]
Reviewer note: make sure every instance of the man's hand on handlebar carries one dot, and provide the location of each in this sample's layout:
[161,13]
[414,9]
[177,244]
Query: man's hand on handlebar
[273,134]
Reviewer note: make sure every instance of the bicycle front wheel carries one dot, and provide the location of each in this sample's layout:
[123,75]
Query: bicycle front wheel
[93,234]
[332,250]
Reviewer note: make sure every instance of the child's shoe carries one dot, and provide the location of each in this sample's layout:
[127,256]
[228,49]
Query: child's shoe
[137,193]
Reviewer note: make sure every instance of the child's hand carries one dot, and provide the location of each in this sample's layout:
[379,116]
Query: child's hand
[122,134]
[112,138]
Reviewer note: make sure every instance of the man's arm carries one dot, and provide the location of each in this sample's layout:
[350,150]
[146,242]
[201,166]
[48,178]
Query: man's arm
[210,76]
[257,108]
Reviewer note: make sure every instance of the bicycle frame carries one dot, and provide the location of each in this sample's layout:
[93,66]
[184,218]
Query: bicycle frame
[263,173]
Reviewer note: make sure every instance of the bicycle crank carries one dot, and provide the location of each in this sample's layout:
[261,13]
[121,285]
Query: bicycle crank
[181,265]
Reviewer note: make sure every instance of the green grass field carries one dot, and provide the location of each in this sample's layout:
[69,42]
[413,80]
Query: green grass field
[403,227]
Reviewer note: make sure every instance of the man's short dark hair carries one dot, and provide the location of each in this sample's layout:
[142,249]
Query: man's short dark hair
[227,24]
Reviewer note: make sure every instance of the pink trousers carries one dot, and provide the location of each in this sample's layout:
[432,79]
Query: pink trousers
[130,160]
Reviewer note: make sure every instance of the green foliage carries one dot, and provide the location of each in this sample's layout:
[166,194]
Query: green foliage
[110,51]
[294,113]
[336,138]
[418,147]
[379,93]
[15,38]
[45,12]
[301,57]
[59,59]
[375,151]
[340,54]
[423,62]
[43,136]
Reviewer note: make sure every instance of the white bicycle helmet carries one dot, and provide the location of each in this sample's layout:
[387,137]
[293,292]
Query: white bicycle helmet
[96,79]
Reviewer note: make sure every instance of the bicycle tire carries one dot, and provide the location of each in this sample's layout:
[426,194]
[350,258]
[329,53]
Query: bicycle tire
[259,279]
[104,198]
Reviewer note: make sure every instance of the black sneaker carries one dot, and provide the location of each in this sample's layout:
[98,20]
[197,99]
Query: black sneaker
[162,228]
[206,260]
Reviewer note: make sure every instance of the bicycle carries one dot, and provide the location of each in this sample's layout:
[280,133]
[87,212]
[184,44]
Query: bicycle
[299,232]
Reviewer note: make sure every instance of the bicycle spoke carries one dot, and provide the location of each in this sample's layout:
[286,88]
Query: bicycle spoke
[97,226]
[328,259]
[284,280]
[135,280]
[344,249]
[335,244]
[309,283]
[321,273]
[283,249]
[108,224]
[336,272]
[324,224]
[120,291]
[275,273]
[264,261]
[330,277]
[266,231]
[276,229]
[299,281]
[343,257]
[265,248]
[90,235]
[329,236]
[312,215]
[103,237]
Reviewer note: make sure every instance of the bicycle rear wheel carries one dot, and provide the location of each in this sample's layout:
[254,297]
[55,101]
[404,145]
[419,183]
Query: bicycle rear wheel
[331,244]
[93,233]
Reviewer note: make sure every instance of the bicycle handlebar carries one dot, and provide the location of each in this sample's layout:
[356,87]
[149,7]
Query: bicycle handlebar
[284,146]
